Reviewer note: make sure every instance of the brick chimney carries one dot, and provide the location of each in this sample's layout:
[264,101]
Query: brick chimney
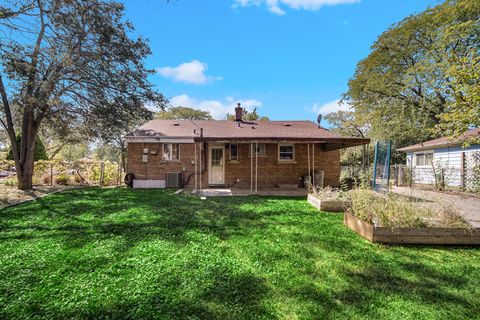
[238,113]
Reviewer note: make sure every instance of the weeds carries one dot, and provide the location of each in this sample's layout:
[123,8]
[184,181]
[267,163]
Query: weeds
[330,194]
[394,211]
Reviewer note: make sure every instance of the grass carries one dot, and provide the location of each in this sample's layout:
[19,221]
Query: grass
[117,253]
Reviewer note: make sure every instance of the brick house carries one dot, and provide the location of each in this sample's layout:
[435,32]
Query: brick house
[211,153]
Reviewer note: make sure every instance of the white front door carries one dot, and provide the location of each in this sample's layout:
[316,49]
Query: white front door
[216,165]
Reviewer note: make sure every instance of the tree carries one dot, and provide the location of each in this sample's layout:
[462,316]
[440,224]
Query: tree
[346,124]
[248,116]
[111,123]
[464,112]
[183,113]
[404,84]
[64,57]
[40,151]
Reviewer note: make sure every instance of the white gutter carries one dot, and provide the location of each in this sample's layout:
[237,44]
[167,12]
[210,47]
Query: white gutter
[159,139]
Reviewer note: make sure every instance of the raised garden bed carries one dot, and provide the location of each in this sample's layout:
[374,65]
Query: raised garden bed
[440,236]
[328,205]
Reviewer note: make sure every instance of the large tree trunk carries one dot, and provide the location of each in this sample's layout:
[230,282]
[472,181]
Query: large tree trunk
[25,176]
[26,162]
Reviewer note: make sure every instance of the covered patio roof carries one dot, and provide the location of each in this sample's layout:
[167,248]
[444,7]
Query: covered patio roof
[327,144]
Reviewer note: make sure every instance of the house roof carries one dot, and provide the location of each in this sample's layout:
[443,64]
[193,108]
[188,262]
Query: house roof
[442,142]
[226,130]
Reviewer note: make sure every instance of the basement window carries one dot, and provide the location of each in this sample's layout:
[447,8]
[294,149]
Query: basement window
[171,152]
[286,152]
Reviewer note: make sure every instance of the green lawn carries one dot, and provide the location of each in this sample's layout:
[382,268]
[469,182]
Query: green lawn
[118,253]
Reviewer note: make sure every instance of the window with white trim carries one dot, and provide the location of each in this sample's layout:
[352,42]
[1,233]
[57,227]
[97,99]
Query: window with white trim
[260,149]
[171,152]
[286,152]
[234,152]
[423,159]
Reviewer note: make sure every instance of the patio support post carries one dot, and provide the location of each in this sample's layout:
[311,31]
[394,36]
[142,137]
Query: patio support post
[313,164]
[308,156]
[256,168]
[196,164]
[200,167]
[251,167]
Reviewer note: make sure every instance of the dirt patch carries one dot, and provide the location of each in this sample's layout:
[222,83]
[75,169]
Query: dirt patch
[11,195]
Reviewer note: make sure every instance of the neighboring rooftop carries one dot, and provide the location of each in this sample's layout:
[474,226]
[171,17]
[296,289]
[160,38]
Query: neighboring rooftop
[443,141]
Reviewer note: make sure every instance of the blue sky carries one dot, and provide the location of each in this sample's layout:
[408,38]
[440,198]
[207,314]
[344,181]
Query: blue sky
[290,58]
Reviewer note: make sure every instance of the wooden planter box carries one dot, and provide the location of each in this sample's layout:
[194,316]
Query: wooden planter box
[331,206]
[442,236]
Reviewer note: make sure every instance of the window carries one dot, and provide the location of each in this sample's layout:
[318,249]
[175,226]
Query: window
[171,152]
[217,157]
[423,159]
[261,150]
[234,152]
[286,152]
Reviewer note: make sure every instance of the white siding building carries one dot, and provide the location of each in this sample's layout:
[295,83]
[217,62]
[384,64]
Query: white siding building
[460,165]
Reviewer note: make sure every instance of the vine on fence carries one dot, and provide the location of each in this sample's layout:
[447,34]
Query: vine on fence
[472,172]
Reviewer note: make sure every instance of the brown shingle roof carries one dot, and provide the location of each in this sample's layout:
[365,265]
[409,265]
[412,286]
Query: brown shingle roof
[226,130]
[442,142]
[230,129]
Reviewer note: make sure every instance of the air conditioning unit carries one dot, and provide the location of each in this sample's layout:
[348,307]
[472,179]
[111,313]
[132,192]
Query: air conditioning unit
[174,180]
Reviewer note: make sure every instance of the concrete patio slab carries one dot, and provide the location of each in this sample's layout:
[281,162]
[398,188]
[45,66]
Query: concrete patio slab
[279,192]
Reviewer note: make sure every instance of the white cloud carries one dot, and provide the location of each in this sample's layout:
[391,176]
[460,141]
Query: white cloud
[192,72]
[275,6]
[217,108]
[332,106]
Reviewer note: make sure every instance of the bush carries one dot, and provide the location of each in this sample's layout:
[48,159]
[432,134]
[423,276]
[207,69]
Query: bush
[40,151]
[330,194]
[11,182]
[62,179]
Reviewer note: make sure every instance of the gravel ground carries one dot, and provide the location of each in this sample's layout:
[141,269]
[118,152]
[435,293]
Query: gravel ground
[469,206]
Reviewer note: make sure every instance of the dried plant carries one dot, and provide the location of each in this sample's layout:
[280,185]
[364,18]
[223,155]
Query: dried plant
[330,194]
[394,211]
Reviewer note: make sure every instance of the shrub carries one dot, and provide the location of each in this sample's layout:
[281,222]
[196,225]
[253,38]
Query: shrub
[62,179]
[330,194]
[40,151]
[11,182]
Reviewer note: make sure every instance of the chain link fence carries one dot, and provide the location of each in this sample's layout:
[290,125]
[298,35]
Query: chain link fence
[80,173]
[465,178]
